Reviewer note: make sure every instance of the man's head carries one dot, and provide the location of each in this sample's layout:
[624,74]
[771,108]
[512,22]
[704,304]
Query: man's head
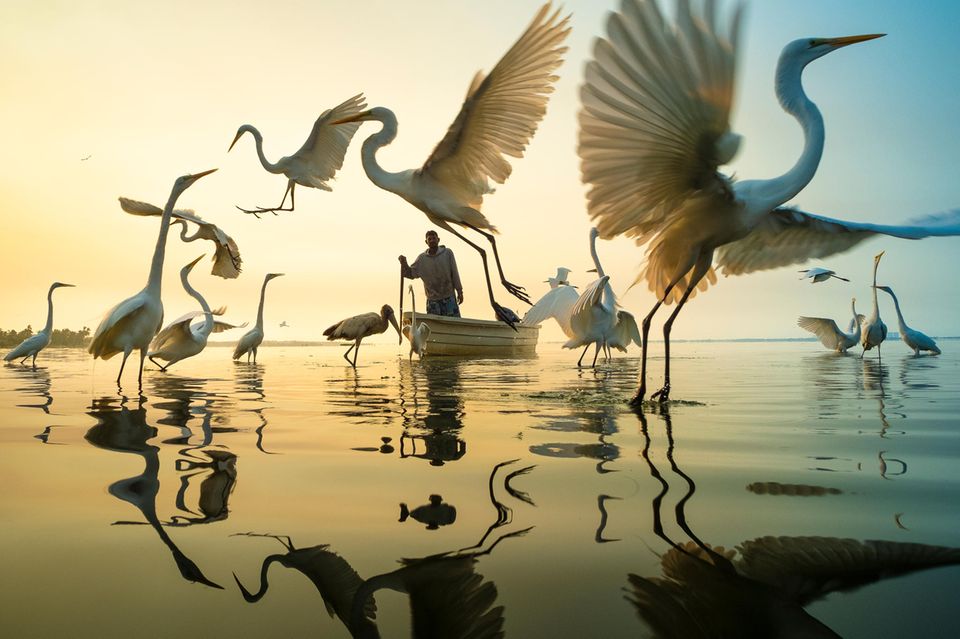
[432,239]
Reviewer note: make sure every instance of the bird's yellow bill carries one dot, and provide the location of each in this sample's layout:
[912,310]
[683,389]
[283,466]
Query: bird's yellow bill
[194,263]
[353,118]
[239,135]
[848,40]
[197,176]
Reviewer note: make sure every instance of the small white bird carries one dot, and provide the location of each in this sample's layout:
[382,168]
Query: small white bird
[916,340]
[557,303]
[226,259]
[830,334]
[320,157]
[132,323]
[873,331]
[359,326]
[36,343]
[252,339]
[819,275]
[416,333]
[561,278]
[284,324]
[179,340]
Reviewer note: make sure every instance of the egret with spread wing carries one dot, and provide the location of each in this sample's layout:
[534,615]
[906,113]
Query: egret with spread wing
[654,128]
[913,338]
[252,339]
[132,323]
[498,117]
[359,326]
[557,303]
[226,259]
[180,339]
[36,343]
[830,334]
[819,275]
[318,160]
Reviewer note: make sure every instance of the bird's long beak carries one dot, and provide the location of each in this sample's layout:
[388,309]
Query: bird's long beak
[393,320]
[190,266]
[238,136]
[359,117]
[70,285]
[196,176]
[879,255]
[591,270]
[836,43]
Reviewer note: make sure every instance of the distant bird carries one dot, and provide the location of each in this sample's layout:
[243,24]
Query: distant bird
[86,158]
[557,303]
[318,160]
[820,275]
[873,331]
[654,128]
[36,343]
[916,340]
[359,326]
[830,334]
[226,260]
[284,324]
[132,323]
[416,333]
[179,340]
[560,279]
[251,340]
[498,117]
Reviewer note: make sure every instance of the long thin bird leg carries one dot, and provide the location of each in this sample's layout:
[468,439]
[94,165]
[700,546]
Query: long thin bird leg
[257,211]
[34,362]
[143,356]
[513,289]
[356,351]
[596,351]
[346,355]
[158,364]
[638,396]
[497,309]
[582,354]
[699,271]
[126,354]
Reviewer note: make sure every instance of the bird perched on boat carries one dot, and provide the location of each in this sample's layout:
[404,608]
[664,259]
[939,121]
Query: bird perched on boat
[318,160]
[132,323]
[820,275]
[873,331]
[557,303]
[252,339]
[36,343]
[359,326]
[416,333]
[913,338]
[180,339]
[654,128]
[226,259]
[498,117]
[830,334]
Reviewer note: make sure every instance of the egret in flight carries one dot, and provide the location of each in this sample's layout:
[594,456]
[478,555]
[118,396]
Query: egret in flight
[498,117]
[226,259]
[359,326]
[873,331]
[318,160]
[830,334]
[654,128]
[916,340]
[132,323]
[36,343]
[819,275]
[180,339]
[252,339]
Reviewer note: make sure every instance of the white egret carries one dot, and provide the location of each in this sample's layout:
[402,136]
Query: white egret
[179,340]
[318,160]
[560,279]
[819,275]
[416,333]
[36,343]
[872,330]
[359,326]
[654,128]
[132,323]
[498,117]
[830,334]
[226,259]
[252,339]
[557,303]
[916,340]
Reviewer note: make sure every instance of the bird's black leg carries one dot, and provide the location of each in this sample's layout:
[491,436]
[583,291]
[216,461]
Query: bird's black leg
[257,211]
[513,289]
[497,309]
[158,364]
[356,351]
[663,395]
[582,354]
[123,363]
[596,351]
[346,355]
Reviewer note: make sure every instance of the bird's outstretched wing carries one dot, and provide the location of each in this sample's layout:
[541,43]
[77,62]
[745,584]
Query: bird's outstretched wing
[654,125]
[557,303]
[327,144]
[790,236]
[219,327]
[176,331]
[582,313]
[825,329]
[114,323]
[501,112]
[625,332]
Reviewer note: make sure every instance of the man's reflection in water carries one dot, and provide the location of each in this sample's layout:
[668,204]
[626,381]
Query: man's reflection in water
[432,428]
[759,588]
[125,430]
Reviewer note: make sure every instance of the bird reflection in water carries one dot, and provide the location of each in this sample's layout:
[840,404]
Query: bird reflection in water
[35,382]
[433,515]
[759,588]
[432,431]
[125,430]
[248,382]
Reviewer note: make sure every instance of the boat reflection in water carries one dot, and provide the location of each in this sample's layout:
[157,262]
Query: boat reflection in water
[432,428]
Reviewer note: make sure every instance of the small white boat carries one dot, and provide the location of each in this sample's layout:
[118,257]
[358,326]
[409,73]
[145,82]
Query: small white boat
[467,337]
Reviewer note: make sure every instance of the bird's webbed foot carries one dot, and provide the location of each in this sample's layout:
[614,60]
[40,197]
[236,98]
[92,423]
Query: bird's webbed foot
[517,291]
[662,395]
[506,316]
[637,400]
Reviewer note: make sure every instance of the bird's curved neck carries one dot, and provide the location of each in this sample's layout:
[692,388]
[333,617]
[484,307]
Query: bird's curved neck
[155,279]
[876,306]
[195,294]
[368,154]
[593,254]
[896,305]
[263,295]
[258,142]
[856,321]
[413,311]
[183,233]
[49,325]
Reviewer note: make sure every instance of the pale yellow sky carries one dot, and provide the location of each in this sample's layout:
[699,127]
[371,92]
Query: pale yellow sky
[151,92]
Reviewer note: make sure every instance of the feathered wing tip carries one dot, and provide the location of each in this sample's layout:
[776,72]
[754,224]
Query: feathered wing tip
[332,332]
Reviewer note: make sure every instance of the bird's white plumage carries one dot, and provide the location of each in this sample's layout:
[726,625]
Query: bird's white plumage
[593,315]
[416,333]
[250,341]
[31,346]
[830,334]
[913,338]
[873,331]
[557,303]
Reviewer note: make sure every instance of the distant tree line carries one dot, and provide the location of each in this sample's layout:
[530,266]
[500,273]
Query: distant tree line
[63,337]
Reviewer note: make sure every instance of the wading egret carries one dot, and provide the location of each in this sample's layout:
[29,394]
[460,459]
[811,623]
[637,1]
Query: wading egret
[819,275]
[251,340]
[557,303]
[416,333]
[830,334]
[916,340]
[179,340]
[359,326]
[654,128]
[226,260]
[36,343]
[132,323]
[318,160]
[873,331]
[498,117]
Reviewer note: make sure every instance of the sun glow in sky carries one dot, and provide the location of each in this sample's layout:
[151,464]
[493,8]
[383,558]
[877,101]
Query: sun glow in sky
[153,91]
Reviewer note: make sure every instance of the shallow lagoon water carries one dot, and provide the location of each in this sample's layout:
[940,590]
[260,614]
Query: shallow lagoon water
[559,512]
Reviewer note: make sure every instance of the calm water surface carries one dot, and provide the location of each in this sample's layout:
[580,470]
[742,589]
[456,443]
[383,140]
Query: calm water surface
[786,486]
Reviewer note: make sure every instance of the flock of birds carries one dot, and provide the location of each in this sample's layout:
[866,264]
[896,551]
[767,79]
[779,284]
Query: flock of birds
[654,128]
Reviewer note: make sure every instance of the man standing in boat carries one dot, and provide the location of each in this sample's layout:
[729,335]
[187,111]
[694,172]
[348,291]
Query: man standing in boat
[437,267]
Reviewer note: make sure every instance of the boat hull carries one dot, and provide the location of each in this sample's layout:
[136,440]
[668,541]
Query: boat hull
[467,337]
